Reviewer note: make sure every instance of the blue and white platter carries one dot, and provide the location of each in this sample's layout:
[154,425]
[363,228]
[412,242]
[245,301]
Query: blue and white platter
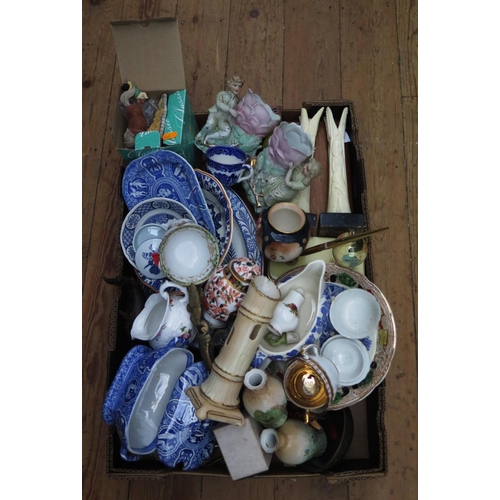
[157,210]
[182,437]
[220,209]
[244,241]
[165,174]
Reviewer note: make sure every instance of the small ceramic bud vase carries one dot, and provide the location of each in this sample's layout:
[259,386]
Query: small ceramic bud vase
[294,442]
[264,398]
[226,289]
[286,315]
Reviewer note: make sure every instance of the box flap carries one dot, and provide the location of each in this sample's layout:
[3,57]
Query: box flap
[150,53]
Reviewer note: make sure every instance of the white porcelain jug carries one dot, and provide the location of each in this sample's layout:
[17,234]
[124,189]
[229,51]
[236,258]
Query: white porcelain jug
[164,317]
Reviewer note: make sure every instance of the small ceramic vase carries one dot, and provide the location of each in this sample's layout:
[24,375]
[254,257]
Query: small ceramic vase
[164,317]
[294,442]
[264,398]
[285,232]
[286,315]
[226,289]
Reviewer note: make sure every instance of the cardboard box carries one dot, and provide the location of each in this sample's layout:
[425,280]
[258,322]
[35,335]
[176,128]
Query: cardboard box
[367,454]
[150,55]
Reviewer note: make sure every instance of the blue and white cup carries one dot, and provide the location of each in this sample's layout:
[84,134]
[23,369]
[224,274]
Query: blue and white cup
[227,163]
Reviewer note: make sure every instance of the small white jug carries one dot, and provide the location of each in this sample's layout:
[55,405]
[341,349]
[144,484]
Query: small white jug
[164,318]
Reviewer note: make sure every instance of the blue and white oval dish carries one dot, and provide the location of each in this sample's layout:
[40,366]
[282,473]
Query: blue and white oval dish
[182,437]
[139,394]
[165,174]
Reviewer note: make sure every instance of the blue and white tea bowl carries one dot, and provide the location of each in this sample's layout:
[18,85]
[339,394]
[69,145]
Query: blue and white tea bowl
[139,394]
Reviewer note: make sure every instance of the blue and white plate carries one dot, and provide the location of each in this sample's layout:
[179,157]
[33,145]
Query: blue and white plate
[244,241]
[182,437]
[163,209]
[220,209]
[165,174]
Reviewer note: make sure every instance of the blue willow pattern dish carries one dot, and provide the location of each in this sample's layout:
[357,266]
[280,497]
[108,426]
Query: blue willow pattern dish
[165,174]
[244,241]
[220,210]
[167,208]
[124,391]
[182,437]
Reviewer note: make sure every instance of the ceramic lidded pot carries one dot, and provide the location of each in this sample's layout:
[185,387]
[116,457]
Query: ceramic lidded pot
[285,232]
[294,442]
[226,289]
[264,398]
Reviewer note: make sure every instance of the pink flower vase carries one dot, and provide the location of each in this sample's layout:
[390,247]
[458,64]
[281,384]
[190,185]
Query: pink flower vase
[255,117]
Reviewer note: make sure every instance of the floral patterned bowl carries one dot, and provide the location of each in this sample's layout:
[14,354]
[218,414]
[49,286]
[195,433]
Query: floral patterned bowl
[138,396]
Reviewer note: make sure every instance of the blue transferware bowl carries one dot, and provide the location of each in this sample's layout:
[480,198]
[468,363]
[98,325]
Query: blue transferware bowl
[182,437]
[138,396]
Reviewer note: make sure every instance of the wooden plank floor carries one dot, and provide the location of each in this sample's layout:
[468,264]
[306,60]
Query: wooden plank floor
[288,51]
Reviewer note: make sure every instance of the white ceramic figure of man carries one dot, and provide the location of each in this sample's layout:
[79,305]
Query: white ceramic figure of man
[218,124]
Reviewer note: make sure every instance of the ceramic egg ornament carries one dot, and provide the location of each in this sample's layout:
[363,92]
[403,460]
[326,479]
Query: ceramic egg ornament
[352,254]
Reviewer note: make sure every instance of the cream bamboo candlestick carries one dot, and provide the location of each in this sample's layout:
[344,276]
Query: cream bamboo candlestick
[218,397]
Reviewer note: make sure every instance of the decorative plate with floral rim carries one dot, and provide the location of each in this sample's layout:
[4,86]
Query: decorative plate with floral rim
[220,209]
[244,241]
[165,174]
[385,340]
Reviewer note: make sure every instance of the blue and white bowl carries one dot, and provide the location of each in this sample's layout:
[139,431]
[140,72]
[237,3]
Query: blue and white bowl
[182,437]
[139,394]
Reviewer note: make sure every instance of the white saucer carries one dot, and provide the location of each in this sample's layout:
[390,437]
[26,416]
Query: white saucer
[350,357]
